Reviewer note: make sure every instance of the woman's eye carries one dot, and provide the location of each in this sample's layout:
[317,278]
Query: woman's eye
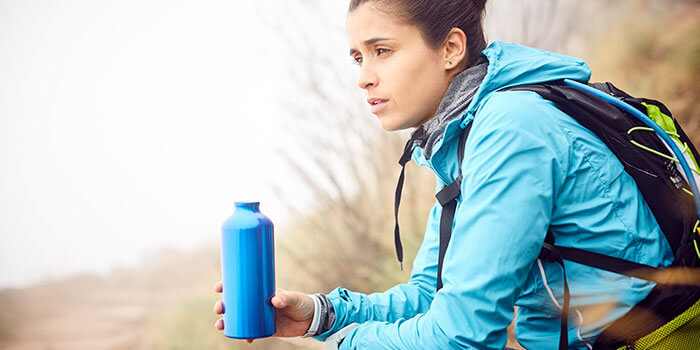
[357,60]
[382,51]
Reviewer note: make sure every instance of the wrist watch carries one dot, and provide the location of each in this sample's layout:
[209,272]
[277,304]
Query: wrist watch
[336,338]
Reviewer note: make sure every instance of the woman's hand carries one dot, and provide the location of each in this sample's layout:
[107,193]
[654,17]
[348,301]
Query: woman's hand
[293,312]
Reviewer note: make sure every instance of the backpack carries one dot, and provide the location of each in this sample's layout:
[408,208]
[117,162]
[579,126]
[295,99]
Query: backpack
[667,184]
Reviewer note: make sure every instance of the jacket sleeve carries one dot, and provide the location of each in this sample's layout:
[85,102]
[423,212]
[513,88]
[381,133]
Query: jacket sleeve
[511,173]
[401,301]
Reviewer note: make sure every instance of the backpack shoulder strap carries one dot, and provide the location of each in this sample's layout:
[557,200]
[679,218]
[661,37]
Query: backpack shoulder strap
[447,197]
[551,251]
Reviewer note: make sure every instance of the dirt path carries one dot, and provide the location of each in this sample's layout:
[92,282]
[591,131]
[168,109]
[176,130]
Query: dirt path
[91,312]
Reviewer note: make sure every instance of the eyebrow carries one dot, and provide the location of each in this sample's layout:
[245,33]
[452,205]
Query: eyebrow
[369,42]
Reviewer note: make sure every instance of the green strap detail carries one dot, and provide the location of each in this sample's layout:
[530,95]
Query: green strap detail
[666,123]
[687,191]
[681,330]
[661,154]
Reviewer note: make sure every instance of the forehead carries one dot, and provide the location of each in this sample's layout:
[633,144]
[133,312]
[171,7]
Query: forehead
[368,21]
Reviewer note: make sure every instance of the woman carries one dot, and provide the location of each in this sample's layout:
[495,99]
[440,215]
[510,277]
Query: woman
[528,168]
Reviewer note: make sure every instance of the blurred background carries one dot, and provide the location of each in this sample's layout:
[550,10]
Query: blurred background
[129,128]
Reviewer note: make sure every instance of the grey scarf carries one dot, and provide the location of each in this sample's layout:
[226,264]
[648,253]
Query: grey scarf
[456,99]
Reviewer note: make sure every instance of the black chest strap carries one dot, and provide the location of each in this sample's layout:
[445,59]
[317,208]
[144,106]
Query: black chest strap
[405,157]
[447,197]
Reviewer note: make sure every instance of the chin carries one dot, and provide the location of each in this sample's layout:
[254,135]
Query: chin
[389,127]
[391,124]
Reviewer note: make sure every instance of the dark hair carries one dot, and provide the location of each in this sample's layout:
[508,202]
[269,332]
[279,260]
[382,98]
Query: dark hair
[436,18]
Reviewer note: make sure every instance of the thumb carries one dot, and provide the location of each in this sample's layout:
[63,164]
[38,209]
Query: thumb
[281,299]
[294,301]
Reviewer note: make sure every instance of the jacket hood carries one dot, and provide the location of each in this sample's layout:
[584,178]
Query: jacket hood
[508,65]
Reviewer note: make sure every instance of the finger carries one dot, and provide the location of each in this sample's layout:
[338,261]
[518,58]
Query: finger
[219,287]
[219,324]
[219,307]
[280,300]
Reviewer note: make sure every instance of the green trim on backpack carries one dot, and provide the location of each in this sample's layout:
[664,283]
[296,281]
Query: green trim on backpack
[666,123]
[683,332]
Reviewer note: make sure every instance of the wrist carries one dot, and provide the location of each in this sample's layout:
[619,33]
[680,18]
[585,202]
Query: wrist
[315,318]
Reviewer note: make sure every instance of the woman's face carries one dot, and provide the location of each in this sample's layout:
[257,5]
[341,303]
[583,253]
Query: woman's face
[404,78]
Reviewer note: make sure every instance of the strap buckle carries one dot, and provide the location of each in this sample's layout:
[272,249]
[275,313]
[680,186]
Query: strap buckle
[450,191]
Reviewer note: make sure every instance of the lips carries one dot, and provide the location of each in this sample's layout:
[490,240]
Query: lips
[377,104]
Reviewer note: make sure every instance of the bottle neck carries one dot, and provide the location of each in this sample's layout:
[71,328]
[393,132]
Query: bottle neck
[252,206]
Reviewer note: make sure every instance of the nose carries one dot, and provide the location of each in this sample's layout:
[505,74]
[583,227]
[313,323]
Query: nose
[367,78]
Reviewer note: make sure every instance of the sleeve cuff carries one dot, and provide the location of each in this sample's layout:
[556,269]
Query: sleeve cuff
[313,328]
[337,310]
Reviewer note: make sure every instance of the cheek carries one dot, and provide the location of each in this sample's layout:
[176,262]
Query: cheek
[421,85]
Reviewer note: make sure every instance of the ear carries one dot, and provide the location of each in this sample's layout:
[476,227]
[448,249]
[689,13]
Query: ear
[455,49]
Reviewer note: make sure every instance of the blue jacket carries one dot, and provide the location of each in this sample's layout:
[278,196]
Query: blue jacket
[528,167]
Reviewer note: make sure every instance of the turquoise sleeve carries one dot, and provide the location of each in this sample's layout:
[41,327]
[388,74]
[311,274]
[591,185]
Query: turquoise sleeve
[401,301]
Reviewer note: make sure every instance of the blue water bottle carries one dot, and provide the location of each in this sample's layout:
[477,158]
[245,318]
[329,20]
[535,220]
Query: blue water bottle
[248,268]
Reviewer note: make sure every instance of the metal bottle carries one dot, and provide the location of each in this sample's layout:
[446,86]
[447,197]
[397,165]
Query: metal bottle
[248,268]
